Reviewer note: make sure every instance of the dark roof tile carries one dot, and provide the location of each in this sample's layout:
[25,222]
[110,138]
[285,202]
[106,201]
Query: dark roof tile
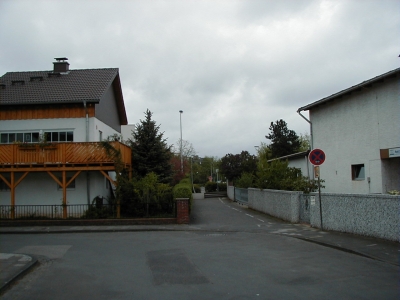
[74,86]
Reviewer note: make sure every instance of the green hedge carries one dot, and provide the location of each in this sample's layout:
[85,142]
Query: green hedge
[183,190]
[212,187]
[197,188]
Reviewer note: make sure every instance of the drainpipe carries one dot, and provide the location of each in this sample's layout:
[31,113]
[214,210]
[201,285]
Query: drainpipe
[311,133]
[87,140]
[87,121]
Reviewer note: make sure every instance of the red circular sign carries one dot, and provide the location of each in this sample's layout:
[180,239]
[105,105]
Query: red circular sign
[317,157]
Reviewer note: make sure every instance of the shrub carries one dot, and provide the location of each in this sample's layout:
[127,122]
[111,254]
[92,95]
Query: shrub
[183,190]
[211,186]
[277,175]
[197,188]
[139,192]
[222,187]
[245,181]
[185,181]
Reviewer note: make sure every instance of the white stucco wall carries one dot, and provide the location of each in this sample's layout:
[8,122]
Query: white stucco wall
[303,164]
[39,187]
[352,130]
[126,131]
[77,125]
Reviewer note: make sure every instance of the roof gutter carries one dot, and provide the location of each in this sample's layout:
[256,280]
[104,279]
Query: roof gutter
[311,132]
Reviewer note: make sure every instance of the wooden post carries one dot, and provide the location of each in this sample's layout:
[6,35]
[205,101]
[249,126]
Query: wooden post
[12,195]
[64,187]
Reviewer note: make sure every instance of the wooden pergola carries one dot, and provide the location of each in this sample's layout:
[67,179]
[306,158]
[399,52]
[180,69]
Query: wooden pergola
[59,157]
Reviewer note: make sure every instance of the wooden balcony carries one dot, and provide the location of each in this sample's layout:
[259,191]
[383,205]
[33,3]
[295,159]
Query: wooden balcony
[66,154]
[58,157]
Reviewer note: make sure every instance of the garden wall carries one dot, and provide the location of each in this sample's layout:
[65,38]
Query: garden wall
[369,215]
[281,204]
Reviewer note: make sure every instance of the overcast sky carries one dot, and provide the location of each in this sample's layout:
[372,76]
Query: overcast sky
[231,66]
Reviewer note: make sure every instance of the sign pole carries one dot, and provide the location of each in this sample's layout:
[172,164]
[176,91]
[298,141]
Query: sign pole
[320,201]
[317,158]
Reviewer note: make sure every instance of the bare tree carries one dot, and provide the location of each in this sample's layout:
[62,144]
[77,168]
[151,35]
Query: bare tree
[187,148]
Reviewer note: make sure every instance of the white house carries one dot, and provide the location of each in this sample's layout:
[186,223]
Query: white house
[300,161]
[359,131]
[51,123]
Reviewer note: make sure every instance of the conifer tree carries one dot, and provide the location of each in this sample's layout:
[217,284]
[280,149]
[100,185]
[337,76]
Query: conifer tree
[283,140]
[150,151]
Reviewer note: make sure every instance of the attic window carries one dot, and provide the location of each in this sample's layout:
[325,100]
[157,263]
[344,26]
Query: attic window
[36,78]
[54,74]
[17,82]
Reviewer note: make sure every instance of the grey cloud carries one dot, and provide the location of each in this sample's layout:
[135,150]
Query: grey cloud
[231,66]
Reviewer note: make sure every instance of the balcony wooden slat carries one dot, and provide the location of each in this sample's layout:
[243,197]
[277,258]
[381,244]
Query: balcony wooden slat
[60,153]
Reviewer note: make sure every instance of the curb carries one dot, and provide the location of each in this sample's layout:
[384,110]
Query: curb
[29,266]
[341,248]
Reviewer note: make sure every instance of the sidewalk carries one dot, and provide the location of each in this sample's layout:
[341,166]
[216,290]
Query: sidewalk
[12,266]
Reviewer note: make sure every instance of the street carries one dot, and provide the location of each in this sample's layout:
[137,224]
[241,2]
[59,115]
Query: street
[226,252]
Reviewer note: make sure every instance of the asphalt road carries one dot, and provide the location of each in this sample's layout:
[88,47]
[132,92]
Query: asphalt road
[225,253]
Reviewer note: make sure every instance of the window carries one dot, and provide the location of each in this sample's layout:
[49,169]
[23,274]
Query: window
[3,186]
[9,138]
[34,137]
[71,185]
[358,172]
[61,136]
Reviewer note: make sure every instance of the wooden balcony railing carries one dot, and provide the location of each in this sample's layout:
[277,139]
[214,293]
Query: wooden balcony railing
[60,153]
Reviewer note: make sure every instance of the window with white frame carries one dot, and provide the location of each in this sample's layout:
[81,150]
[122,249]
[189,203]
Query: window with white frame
[71,185]
[33,137]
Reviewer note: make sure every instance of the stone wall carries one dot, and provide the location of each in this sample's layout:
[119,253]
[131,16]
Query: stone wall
[370,215]
[281,204]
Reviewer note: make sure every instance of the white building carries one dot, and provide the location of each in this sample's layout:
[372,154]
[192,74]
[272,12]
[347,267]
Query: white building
[358,129]
[51,123]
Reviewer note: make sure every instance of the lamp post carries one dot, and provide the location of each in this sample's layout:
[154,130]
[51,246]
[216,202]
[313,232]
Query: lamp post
[180,121]
[216,170]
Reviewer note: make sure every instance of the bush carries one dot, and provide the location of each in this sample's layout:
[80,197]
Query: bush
[277,175]
[185,181]
[245,181]
[183,190]
[139,192]
[211,187]
[222,187]
[197,188]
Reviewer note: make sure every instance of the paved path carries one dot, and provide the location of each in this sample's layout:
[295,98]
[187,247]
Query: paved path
[228,223]
[207,216]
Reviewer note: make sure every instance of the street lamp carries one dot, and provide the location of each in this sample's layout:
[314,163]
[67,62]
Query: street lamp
[216,170]
[180,121]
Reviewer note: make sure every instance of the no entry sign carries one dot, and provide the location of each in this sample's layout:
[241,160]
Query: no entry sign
[317,157]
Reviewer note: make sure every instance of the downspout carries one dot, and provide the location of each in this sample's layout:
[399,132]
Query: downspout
[311,142]
[87,121]
[87,140]
[311,133]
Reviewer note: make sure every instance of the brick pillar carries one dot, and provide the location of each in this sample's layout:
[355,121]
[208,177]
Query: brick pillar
[182,210]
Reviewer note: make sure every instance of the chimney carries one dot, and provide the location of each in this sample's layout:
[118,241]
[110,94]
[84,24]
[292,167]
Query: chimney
[61,66]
